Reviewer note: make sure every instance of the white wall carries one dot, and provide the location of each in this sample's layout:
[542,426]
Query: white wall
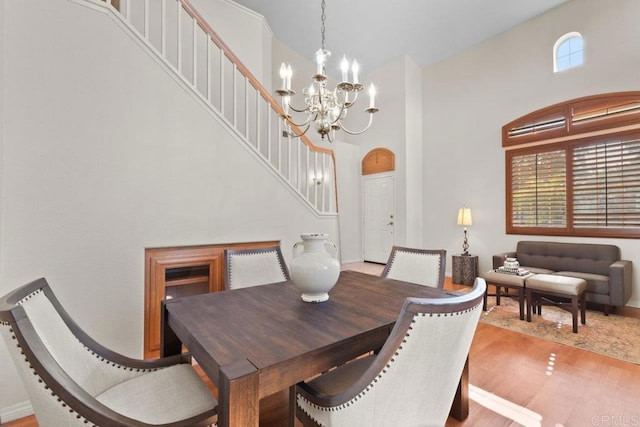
[414,151]
[105,154]
[348,160]
[468,98]
[2,43]
[397,127]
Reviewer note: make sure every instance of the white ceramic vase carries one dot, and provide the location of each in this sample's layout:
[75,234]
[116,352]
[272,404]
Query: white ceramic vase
[314,271]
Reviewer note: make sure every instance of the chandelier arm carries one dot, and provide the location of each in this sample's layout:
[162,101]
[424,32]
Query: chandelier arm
[358,132]
[351,102]
[297,110]
[339,116]
[295,135]
[306,123]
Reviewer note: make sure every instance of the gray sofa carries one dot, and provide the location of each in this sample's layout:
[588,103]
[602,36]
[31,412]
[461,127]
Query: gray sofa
[608,277]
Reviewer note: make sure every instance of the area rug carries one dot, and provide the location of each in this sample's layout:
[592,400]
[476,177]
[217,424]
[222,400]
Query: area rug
[613,335]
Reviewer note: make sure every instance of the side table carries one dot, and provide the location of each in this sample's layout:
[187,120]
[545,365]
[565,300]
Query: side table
[464,269]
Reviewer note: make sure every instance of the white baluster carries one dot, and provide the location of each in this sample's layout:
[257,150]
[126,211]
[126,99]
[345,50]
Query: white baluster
[163,29]
[146,20]
[222,56]
[209,42]
[288,158]
[246,108]
[194,46]
[269,140]
[179,36]
[235,96]
[324,180]
[258,133]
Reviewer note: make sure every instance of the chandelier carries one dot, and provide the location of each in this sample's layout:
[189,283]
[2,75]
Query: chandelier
[324,108]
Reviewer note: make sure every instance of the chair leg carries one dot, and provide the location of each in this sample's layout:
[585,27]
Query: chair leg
[529,304]
[583,309]
[484,300]
[498,291]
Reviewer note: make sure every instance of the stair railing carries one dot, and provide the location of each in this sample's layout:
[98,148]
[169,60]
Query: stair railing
[180,36]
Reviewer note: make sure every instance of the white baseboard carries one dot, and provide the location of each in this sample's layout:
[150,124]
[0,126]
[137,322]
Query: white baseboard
[350,261]
[14,412]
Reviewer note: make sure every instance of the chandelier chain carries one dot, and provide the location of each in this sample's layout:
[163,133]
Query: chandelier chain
[322,19]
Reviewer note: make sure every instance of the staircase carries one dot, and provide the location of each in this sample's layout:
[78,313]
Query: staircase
[185,43]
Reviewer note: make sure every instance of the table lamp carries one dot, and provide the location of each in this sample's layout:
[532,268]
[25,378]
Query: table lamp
[464,219]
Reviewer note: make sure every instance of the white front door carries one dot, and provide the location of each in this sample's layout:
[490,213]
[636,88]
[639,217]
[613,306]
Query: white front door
[379,218]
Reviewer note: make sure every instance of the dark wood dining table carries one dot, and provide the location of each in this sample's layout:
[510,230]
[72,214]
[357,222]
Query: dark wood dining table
[256,341]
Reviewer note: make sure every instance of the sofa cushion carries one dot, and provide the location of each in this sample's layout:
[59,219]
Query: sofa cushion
[596,283]
[580,257]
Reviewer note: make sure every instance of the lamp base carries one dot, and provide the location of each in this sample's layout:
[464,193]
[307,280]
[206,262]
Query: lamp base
[465,244]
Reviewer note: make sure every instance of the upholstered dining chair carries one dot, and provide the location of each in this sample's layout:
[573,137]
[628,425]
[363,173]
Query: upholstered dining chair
[421,266]
[72,380]
[412,381]
[254,267]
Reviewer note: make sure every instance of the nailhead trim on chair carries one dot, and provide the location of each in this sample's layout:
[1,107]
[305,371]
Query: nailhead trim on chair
[46,386]
[410,253]
[384,370]
[40,380]
[250,254]
[93,353]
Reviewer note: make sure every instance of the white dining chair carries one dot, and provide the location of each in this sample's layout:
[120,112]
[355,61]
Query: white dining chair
[254,267]
[412,381]
[72,380]
[422,266]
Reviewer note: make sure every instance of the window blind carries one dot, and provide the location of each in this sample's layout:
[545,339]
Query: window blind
[538,190]
[606,185]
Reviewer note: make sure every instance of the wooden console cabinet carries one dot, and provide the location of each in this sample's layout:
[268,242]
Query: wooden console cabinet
[181,271]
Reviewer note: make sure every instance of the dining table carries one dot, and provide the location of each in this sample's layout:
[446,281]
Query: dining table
[256,341]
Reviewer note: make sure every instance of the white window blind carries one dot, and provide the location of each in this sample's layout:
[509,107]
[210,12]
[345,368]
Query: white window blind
[538,189]
[606,185]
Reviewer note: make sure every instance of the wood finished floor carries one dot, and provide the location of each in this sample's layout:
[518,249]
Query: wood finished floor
[558,386]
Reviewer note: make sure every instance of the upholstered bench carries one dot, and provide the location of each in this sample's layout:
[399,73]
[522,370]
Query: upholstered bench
[573,288]
[507,281]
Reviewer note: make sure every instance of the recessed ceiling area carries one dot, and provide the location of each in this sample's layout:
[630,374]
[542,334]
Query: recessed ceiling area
[376,32]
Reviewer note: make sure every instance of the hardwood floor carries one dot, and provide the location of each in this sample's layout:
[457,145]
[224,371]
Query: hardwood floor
[517,379]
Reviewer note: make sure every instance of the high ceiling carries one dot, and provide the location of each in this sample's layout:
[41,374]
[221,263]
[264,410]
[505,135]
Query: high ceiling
[376,32]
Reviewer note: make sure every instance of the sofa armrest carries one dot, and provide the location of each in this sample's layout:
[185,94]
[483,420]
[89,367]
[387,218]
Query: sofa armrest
[620,282]
[498,259]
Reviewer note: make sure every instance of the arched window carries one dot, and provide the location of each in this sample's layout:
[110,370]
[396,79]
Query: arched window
[568,52]
[573,168]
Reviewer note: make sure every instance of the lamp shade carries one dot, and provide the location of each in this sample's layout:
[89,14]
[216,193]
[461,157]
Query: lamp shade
[464,216]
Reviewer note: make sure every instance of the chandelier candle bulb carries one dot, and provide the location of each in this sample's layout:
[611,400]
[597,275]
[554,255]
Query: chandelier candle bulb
[289,74]
[283,75]
[320,62]
[355,68]
[372,96]
[344,66]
